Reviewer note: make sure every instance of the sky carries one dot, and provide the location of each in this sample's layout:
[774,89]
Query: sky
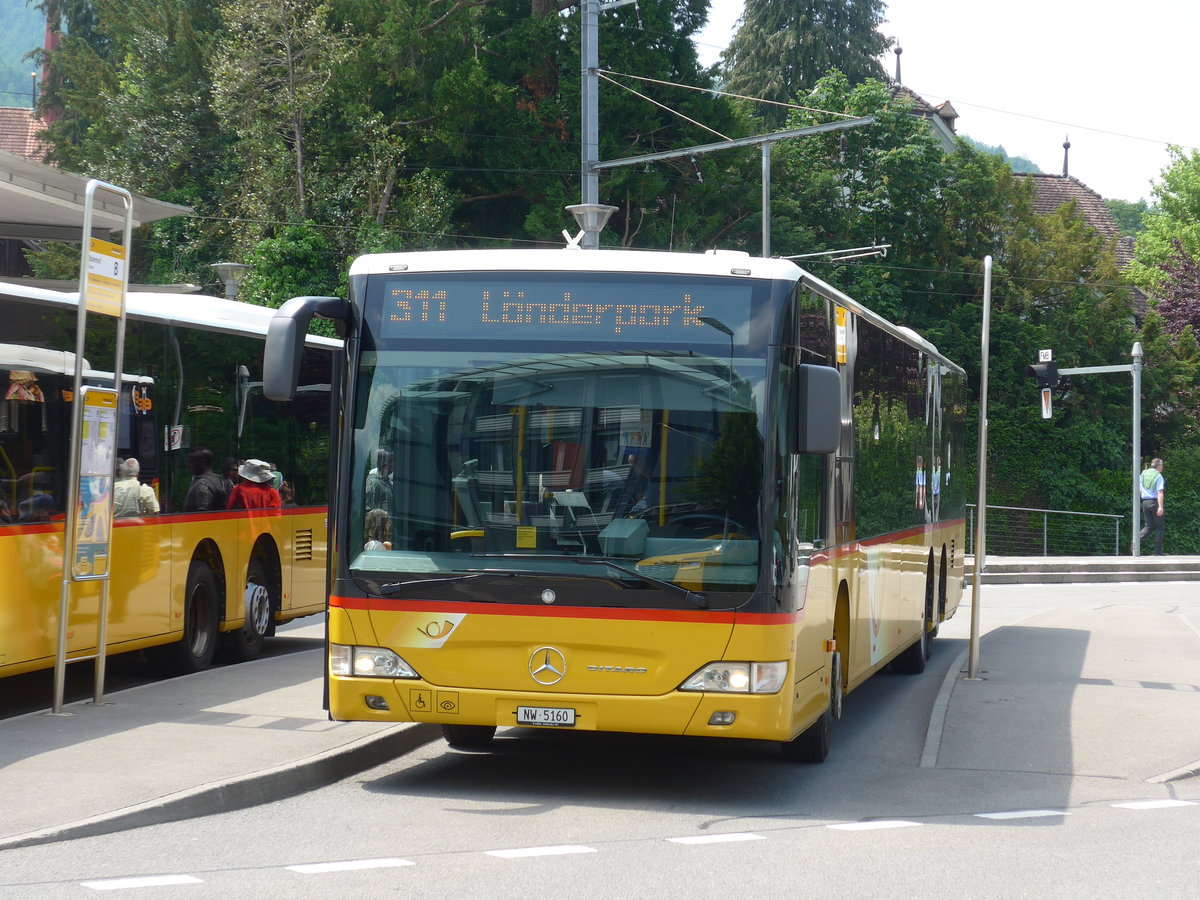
[1027,74]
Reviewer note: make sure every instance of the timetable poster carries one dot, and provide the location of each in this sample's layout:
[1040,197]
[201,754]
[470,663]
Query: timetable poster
[93,505]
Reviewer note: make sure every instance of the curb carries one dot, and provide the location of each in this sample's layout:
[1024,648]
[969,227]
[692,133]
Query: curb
[263,786]
[937,716]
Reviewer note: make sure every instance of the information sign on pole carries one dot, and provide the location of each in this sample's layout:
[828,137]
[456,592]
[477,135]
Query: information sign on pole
[104,278]
[1046,403]
[94,493]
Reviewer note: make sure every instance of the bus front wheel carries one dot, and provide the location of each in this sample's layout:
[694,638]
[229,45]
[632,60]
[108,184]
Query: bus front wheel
[469,737]
[812,744]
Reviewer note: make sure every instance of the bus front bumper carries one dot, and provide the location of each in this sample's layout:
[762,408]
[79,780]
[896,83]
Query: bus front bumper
[778,717]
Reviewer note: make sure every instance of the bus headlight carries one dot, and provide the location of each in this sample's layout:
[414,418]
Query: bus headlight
[368,662]
[738,678]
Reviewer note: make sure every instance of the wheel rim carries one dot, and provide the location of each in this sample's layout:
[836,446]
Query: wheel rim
[258,609]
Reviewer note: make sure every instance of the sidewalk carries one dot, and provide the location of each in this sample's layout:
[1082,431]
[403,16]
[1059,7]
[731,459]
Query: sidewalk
[1102,690]
[184,747]
[1105,690]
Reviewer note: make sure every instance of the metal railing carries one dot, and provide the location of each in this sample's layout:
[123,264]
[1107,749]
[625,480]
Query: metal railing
[1022,531]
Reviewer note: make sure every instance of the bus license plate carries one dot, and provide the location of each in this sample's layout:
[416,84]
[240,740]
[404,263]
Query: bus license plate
[562,717]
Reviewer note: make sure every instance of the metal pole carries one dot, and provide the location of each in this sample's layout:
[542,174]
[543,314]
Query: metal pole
[980,530]
[70,520]
[1136,369]
[766,201]
[64,597]
[589,28]
[1045,535]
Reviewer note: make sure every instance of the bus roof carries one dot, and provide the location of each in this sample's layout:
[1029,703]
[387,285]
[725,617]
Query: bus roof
[714,262]
[192,310]
[574,260]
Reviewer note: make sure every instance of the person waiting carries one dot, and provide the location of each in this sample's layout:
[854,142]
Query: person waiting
[131,497]
[256,489]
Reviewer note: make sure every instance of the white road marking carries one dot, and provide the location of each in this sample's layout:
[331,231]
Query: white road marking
[562,850]
[1154,804]
[1023,814]
[872,826]
[716,838]
[349,865]
[118,884]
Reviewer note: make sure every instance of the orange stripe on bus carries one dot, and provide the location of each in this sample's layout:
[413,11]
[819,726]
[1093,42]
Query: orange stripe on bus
[378,604]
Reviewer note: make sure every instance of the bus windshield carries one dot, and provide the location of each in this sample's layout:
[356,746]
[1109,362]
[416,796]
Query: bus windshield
[624,451]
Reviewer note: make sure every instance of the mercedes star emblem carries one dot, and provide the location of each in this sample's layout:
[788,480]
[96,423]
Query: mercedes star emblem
[547,666]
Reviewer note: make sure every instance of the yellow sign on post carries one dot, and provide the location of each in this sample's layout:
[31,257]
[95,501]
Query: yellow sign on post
[104,278]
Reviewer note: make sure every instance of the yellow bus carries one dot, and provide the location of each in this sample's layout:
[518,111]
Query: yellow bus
[630,491]
[188,579]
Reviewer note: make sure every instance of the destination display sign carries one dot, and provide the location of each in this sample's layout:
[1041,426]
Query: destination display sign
[676,310]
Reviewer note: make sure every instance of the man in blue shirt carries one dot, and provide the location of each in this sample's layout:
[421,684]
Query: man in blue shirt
[1151,486]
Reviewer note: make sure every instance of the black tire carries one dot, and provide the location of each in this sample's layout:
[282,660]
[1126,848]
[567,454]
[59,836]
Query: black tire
[260,604]
[912,660]
[812,745]
[469,737]
[194,651]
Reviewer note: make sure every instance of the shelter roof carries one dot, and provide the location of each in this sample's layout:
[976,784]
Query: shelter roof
[39,201]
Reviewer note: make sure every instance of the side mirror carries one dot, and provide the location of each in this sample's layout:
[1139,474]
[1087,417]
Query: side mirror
[285,341]
[820,424]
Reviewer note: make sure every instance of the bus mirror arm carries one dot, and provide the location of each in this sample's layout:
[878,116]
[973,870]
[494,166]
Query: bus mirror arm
[285,341]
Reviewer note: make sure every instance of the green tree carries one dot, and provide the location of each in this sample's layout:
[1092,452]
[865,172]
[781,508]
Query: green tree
[271,79]
[1131,217]
[783,47]
[1176,216]
[296,263]
[1055,281]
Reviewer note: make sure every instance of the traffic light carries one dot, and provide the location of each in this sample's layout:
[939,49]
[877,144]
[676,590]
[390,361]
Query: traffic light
[1046,374]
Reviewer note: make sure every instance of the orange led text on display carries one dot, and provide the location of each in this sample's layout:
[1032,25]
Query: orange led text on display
[417,307]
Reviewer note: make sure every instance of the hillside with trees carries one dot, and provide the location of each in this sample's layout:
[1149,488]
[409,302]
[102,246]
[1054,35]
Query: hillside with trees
[306,132]
[22,29]
[1021,164]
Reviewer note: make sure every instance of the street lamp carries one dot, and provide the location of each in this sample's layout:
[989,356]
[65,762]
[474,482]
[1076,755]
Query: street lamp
[591,217]
[231,274]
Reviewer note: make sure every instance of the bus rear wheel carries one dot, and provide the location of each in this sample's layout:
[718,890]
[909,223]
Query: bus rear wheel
[194,651]
[469,737]
[912,660]
[259,606]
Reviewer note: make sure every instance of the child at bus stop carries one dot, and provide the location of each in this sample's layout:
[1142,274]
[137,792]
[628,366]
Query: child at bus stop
[256,489]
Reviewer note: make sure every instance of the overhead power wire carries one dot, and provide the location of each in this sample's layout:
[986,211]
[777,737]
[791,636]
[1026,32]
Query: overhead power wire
[703,90]
[662,106]
[1119,134]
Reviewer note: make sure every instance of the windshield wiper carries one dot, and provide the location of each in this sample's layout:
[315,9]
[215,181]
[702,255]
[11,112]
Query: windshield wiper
[695,597]
[396,587]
